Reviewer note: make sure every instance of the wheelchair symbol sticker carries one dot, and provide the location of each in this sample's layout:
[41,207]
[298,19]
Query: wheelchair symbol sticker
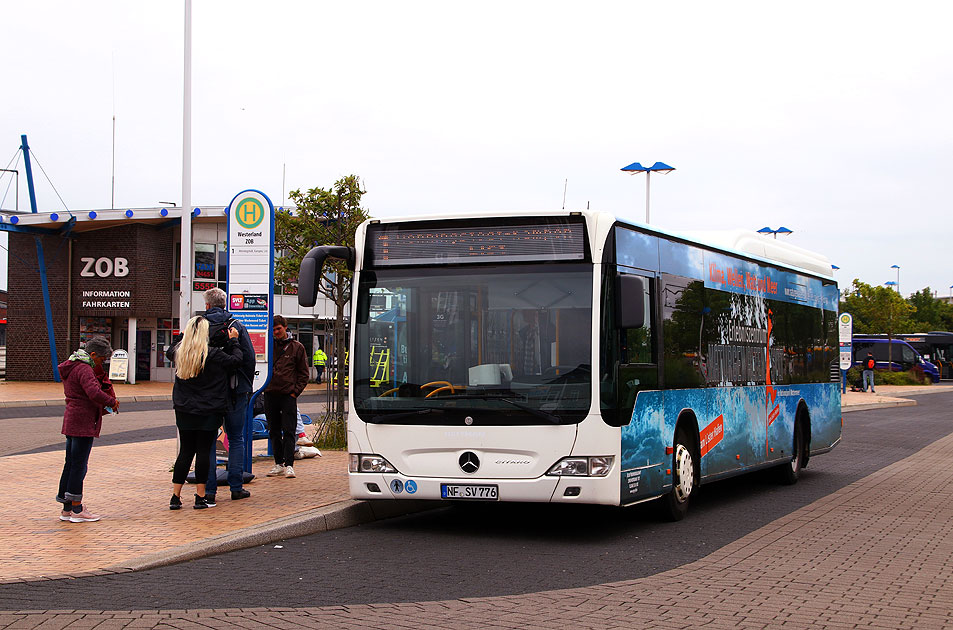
[397,486]
[410,486]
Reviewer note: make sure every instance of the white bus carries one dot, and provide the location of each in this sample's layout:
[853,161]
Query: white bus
[575,357]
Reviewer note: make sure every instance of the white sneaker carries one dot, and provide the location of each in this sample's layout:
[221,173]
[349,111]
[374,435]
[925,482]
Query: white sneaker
[276,471]
[289,472]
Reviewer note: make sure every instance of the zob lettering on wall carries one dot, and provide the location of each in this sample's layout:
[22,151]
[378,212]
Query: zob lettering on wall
[104,267]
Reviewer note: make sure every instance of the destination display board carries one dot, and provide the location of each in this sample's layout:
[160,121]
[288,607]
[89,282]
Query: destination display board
[544,240]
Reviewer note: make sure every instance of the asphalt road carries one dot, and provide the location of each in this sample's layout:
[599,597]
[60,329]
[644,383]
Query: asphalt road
[496,549]
[37,429]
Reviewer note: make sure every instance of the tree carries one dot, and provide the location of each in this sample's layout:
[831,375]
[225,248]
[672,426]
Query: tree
[324,217]
[878,310]
[932,314]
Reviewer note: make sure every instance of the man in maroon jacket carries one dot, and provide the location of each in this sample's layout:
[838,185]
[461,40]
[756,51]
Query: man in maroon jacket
[289,376]
[87,391]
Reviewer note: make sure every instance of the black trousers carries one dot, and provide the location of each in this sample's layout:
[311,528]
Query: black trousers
[74,470]
[193,444]
[281,410]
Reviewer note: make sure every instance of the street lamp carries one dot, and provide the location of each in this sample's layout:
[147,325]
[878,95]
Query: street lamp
[780,230]
[658,167]
[897,267]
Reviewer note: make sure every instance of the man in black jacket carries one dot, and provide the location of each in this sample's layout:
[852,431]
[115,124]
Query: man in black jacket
[289,376]
[218,317]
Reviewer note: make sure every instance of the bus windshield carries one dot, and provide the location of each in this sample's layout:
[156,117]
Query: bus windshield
[500,345]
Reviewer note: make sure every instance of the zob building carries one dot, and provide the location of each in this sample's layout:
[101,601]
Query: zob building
[115,273]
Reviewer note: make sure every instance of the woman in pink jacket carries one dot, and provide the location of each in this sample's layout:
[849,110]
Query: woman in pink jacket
[87,391]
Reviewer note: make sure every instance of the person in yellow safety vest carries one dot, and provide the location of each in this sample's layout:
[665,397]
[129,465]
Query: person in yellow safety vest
[318,361]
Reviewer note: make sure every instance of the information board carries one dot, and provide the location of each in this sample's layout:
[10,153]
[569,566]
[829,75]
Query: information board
[845,335]
[118,366]
[251,269]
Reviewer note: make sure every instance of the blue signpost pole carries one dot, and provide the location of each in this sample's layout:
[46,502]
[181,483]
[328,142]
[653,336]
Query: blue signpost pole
[41,262]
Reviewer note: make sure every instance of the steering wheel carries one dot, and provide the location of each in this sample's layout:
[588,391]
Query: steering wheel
[445,384]
[440,389]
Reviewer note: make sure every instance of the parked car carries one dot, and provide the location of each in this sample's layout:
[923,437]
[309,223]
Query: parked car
[895,355]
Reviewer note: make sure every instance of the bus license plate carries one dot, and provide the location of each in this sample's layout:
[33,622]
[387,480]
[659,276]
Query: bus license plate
[479,493]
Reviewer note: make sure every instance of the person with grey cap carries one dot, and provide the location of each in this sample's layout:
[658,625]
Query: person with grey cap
[88,394]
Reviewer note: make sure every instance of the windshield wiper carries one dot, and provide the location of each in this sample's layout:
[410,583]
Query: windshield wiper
[384,417]
[539,413]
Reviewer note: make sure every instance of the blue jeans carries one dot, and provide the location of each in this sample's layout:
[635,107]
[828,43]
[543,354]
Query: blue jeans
[869,376]
[74,470]
[235,430]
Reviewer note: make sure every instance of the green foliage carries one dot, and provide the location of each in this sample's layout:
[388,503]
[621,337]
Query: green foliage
[877,309]
[932,314]
[324,217]
[331,435]
[855,378]
[882,310]
[321,217]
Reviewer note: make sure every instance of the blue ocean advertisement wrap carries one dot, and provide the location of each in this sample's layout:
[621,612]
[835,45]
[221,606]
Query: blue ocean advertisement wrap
[738,429]
[740,339]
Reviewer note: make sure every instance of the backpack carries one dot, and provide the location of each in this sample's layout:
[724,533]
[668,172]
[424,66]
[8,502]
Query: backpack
[218,333]
[870,363]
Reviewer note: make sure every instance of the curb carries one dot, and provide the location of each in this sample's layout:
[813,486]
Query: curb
[338,515]
[879,405]
[326,518]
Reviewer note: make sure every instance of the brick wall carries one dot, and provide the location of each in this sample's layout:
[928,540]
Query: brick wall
[28,351]
[149,283]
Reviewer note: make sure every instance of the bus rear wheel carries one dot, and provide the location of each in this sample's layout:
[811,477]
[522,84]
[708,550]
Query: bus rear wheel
[791,471]
[674,505]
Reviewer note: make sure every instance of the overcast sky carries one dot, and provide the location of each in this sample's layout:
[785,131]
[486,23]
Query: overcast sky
[830,118]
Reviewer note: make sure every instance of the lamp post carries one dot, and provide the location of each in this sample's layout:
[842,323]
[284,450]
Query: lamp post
[780,230]
[658,167]
[897,267]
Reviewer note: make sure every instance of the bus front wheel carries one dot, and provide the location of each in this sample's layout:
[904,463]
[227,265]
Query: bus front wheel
[791,471]
[684,467]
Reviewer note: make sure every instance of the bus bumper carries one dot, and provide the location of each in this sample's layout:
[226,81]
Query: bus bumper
[592,490]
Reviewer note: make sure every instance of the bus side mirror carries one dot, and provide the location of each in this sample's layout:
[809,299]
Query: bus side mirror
[364,297]
[309,273]
[630,301]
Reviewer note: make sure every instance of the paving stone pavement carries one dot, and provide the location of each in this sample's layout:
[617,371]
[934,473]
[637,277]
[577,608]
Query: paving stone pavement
[840,562]
[875,554]
[130,485]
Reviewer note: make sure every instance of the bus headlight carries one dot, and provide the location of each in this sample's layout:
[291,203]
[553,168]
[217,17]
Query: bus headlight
[582,467]
[364,463]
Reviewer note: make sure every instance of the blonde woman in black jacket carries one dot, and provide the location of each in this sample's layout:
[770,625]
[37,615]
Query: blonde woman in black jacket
[200,397]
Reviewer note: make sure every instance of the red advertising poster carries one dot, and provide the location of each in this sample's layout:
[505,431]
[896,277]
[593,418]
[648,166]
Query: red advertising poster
[259,341]
[711,435]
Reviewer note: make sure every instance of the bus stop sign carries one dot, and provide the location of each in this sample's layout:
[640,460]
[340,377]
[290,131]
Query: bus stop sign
[845,334]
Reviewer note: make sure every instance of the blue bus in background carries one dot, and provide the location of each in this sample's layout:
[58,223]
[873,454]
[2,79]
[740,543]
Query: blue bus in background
[894,354]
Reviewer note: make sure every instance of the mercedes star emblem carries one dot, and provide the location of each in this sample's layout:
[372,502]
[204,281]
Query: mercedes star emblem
[469,462]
